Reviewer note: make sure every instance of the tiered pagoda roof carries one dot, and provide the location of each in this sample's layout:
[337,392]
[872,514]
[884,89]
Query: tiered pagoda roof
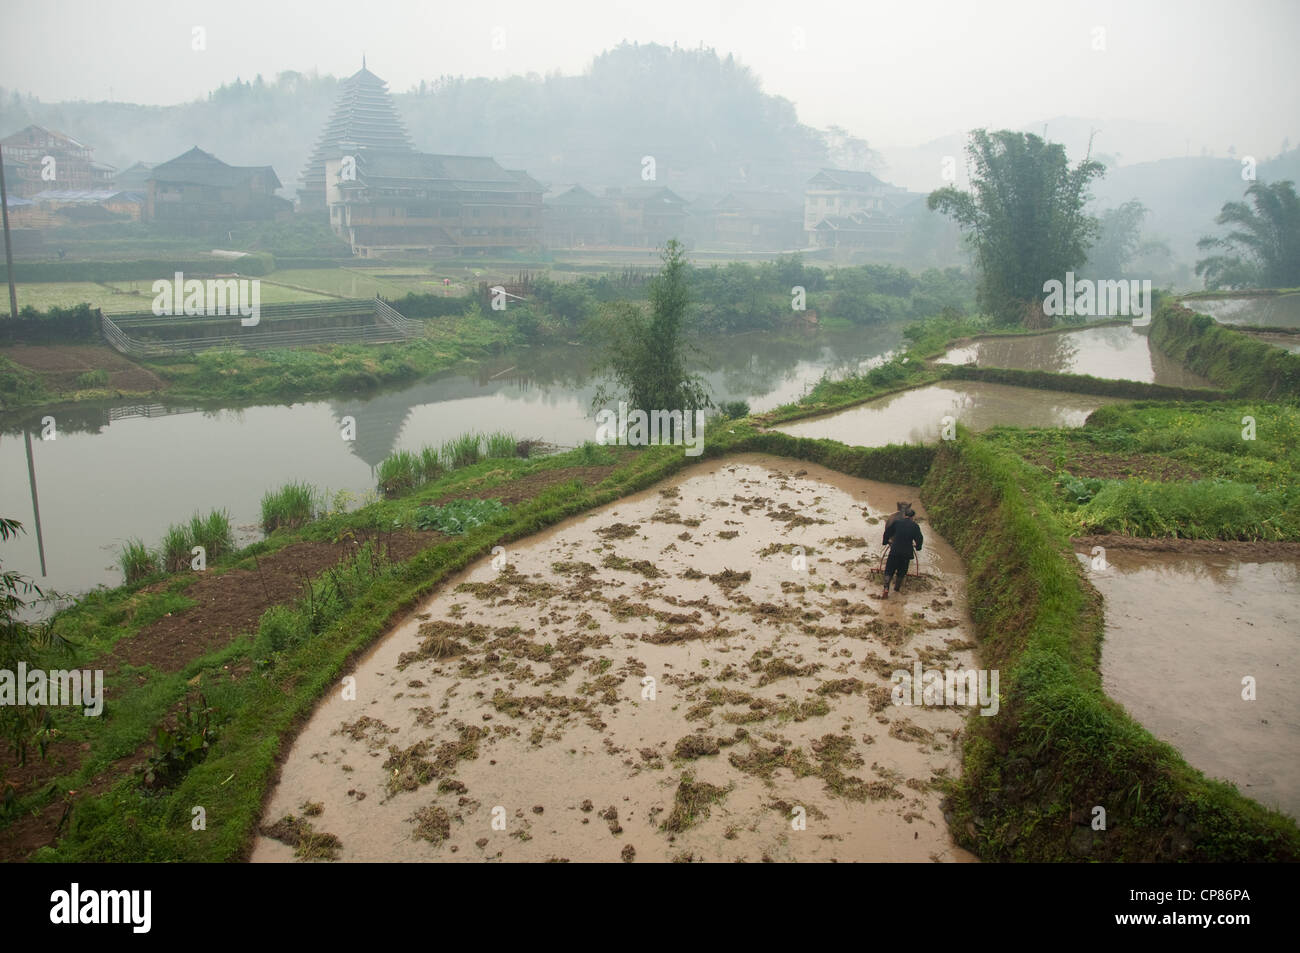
[364,115]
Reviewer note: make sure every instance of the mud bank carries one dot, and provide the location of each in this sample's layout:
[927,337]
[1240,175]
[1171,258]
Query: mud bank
[916,416]
[1182,631]
[739,592]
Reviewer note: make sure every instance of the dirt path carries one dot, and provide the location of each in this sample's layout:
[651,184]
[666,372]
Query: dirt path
[519,693]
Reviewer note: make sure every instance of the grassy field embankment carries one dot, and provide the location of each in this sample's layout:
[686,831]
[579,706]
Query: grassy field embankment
[1034,775]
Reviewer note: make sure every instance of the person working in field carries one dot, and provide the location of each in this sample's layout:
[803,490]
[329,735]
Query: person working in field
[903,537]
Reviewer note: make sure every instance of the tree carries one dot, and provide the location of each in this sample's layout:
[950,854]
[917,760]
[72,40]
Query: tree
[1120,234]
[1025,218]
[1263,249]
[645,355]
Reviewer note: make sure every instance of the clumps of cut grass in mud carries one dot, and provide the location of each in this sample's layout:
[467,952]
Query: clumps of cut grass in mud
[308,843]
[833,755]
[569,568]
[842,686]
[642,566]
[729,578]
[852,542]
[438,640]
[618,530]
[771,549]
[671,635]
[516,705]
[312,808]
[432,824]
[672,516]
[410,768]
[692,803]
[610,817]
[365,728]
[778,668]
[700,746]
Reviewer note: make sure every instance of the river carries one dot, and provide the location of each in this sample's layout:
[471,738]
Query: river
[116,471]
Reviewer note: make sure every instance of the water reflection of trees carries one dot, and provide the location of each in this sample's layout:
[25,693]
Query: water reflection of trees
[1175,569]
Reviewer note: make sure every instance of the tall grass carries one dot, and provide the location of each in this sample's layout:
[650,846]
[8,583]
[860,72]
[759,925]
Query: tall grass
[430,464]
[462,451]
[136,561]
[399,472]
[212,532]
[499,445]
[291,506]
[1204,509]
[404,470]
[176,546]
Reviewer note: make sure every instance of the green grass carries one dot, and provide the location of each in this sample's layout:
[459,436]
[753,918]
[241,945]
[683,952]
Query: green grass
[1059,742]
[290,507]
[430,464]
[462,451]
[136,561]
[176,545]
[96,378]
[212,532]
[400,472]
[499,444]
[1203,509]
[1234,361]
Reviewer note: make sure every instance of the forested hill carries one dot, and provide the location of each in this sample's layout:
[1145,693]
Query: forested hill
[705,119]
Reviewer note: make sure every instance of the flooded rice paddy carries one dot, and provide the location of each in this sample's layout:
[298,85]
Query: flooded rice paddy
[1118,352]
[917,416]
[523,692]
[1181,634]
[1278,311]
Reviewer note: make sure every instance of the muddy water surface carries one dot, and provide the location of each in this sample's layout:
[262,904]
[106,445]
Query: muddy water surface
[1118,352]
[1181,634]
[1279,311]
[916,416]
[523,692]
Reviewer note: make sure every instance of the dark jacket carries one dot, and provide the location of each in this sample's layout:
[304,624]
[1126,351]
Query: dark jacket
[902,535]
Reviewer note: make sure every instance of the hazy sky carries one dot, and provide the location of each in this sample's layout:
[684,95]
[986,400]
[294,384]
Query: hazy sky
[894,73]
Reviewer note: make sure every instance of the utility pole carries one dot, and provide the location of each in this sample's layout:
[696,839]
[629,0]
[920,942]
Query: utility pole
[9,255]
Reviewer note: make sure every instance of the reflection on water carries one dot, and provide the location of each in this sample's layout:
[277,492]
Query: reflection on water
[1181,634]
[130,470]
[1287,342]
[1278,311]
[1118,352]
[916,416]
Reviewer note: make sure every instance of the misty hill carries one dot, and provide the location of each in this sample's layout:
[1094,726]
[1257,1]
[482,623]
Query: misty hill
[1184,195]
[705,119]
